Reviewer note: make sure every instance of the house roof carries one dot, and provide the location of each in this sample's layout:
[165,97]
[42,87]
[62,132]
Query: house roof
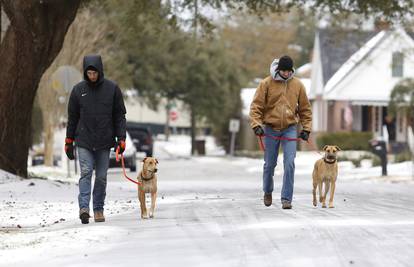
[354,60]
[357,93]
[337,46]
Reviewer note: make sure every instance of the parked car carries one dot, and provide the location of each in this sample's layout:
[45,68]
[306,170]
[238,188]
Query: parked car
[130,159]
[141,137]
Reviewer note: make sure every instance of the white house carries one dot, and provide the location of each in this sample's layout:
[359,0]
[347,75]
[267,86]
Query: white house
[138,111]
[353,74]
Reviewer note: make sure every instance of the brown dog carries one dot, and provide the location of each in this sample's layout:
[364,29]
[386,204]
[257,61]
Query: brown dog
[148,179]
[325,172]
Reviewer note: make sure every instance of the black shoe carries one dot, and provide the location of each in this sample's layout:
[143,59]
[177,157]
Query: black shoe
[267,199]
[84,216]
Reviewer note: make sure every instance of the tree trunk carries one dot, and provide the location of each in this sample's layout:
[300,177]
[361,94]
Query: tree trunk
[49,143]
[32,41]
[1,29]
[193,131]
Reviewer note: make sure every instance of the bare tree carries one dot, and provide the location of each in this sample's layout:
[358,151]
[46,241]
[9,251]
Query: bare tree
[30,44]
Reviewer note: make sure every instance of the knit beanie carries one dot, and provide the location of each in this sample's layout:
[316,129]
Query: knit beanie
[285,63]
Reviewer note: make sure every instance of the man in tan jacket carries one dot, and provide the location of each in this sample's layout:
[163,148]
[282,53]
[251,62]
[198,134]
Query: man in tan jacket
[279,105]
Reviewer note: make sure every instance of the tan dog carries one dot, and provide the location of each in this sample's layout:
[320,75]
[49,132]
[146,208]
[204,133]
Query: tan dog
[148,179]
[325,172]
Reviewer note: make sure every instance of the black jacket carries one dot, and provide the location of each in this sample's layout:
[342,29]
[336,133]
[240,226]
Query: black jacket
[96,111]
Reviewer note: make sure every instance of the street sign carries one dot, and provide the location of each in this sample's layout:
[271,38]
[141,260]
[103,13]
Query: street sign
[65,77]
[234,125]
[173,115]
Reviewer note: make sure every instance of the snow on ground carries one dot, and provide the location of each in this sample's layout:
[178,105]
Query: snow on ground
[210,212]
[180,145]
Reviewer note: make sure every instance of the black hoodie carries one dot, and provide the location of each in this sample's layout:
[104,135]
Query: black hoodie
[96,110]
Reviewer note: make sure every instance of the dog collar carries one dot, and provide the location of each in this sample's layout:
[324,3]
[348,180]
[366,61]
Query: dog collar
[329,162]
[147,179]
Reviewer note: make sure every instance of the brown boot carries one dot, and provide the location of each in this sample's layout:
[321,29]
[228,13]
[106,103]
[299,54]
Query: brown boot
[286,205]
[99,216]
[267,199]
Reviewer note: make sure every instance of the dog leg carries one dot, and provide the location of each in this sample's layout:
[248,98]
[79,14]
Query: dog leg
[320,191]
[325,194]
[143,205]
[331,205]
[153,199]
[315,185]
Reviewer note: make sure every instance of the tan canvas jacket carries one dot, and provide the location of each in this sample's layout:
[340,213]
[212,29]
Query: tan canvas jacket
[280,104]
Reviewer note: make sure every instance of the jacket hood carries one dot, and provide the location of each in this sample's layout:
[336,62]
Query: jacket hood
[94,61]
[275,73]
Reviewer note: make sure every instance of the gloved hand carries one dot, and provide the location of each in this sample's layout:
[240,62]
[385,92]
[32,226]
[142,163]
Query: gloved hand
[304,135]
[258,130]
[69,148]
[121,146]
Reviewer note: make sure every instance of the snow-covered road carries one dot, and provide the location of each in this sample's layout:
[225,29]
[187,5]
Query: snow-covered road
[210,212]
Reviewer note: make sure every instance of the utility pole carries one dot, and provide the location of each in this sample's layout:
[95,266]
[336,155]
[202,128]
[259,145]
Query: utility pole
[167,123]
[192,108]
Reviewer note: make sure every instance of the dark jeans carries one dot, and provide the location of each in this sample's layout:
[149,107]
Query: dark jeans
[89,160]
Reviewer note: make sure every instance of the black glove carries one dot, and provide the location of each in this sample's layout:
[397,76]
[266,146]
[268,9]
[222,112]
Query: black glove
[69,148]
[121,145]
[304,135]
[258,130]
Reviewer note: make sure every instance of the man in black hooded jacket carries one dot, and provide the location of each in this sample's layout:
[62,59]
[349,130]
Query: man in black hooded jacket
[96,122]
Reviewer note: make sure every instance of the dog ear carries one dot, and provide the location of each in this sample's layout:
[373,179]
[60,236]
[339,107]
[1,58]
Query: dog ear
[337,148]
[156,160]
[325,147]
[144,159]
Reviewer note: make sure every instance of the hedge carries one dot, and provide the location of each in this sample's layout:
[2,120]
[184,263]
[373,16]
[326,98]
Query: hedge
[345,140]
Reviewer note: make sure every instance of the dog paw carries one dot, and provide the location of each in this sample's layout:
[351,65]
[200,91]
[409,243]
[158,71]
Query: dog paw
[331,206]
[144,216]
[323,205]
[151,216]
[315,203]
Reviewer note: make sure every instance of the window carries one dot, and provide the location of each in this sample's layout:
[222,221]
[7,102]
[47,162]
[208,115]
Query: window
[397,64]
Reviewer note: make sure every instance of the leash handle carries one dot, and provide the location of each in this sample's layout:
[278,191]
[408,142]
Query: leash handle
[123,167]
[262,147]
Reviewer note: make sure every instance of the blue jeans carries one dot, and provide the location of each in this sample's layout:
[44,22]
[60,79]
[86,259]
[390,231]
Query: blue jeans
[270,156]
[89,160]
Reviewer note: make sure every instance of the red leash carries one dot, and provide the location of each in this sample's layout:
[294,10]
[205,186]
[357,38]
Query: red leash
[123,167]
[283,138]
[275,138]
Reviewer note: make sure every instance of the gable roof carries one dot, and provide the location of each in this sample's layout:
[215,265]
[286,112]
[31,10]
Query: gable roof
[384,87]
[337,46]
[354,60]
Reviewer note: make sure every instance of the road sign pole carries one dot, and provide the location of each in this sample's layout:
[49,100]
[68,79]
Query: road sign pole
[232,143]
